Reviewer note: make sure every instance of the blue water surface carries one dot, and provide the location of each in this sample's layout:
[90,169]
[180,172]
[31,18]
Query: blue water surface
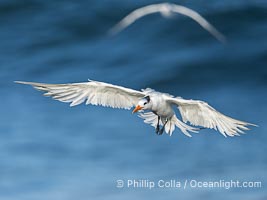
[51,151]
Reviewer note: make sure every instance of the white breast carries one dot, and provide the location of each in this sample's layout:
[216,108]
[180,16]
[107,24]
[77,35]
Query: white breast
[160,106]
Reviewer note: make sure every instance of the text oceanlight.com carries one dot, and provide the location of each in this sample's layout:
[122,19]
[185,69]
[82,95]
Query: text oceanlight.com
[224,184]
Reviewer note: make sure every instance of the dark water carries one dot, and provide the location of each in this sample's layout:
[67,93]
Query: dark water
[51,151]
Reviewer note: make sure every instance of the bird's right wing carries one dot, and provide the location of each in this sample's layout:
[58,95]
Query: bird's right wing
[94,92]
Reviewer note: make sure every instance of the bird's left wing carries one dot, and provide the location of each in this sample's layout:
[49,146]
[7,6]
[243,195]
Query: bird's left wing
[199,113]
[94,92]
[199,19]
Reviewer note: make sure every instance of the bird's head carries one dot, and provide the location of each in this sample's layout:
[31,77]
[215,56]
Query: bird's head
[166,10]
[143,104]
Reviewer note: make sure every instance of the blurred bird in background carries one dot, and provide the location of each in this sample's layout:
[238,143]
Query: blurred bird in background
[166,10]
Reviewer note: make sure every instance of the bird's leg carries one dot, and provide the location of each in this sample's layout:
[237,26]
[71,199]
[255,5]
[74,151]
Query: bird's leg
[157,128]
[162,129]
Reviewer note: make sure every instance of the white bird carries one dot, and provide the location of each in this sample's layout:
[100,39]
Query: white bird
[166,10]
[159,106]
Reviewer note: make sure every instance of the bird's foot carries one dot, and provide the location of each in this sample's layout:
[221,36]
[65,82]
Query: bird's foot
[161,131]
[157,129]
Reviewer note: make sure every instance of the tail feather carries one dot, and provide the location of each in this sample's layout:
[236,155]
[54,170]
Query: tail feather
[182,126]
[152,119]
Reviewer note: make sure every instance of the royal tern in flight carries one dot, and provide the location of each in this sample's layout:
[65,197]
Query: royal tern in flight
[166,10]
[159,106]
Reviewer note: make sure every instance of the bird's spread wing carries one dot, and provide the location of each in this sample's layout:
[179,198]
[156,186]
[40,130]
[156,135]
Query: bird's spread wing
[94,92]
[199,113]
[166,9]
[133,16]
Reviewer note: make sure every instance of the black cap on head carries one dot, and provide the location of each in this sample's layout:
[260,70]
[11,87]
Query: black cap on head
[147,98]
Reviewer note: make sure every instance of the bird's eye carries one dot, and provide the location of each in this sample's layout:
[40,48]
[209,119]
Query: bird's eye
[145,103]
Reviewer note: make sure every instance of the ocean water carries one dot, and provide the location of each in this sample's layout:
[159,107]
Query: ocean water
[51,151]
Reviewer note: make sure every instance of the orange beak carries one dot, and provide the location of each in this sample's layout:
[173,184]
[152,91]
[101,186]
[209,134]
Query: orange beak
[137,108]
